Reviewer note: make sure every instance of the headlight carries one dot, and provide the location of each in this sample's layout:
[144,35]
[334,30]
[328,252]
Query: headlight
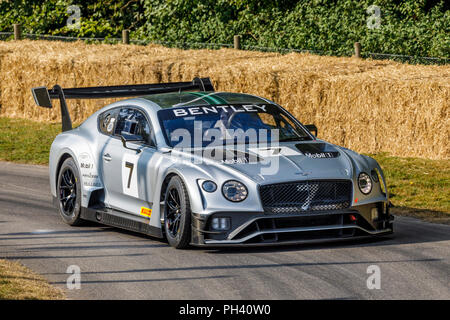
[364,183]
[234,191]
[209,186]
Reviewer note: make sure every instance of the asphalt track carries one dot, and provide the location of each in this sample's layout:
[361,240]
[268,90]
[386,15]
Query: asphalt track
[116,264]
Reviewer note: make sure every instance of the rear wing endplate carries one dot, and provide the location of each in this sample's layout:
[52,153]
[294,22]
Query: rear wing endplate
[43,96]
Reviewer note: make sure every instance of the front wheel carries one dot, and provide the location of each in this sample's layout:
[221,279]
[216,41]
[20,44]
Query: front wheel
[69,193]
[177,214]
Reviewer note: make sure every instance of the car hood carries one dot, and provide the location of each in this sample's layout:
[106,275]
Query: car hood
[288,161]
[296,161]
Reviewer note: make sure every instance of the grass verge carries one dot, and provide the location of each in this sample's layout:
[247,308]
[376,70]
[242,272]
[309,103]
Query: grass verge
[417,187]
[26,141]
[19,283]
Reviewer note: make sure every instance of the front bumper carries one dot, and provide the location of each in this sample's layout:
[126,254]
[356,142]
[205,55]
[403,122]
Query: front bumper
[259,228]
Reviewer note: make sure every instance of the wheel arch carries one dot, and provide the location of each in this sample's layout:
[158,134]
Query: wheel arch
[165,183]
[57,159]
[192,190]
[62,158]
[186,234]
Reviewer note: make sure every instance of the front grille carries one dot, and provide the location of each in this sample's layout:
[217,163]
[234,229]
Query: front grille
[311,195]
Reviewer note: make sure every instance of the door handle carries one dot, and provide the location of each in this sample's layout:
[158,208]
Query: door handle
[107,157]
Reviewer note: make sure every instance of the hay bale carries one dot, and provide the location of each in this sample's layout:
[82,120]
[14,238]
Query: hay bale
[369,106]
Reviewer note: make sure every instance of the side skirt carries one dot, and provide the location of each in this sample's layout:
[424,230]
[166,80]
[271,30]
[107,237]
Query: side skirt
[121,220]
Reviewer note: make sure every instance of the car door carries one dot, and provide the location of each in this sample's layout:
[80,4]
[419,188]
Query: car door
[127,171]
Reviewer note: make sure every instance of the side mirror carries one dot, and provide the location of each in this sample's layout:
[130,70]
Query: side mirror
[312,128]
[130,139]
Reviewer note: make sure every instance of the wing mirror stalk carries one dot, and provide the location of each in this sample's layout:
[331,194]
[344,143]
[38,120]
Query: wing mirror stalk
[312,128]
[125,140]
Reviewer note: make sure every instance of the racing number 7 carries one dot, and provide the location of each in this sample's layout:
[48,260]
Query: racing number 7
[130,166]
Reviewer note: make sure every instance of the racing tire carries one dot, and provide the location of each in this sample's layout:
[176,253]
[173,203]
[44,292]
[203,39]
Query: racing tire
[177,214]
[68,191]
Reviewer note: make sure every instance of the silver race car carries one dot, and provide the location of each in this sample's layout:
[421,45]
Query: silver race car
[208,168]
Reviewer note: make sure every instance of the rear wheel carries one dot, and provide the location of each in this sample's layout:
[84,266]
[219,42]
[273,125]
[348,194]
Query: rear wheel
[69,193]
[177,214]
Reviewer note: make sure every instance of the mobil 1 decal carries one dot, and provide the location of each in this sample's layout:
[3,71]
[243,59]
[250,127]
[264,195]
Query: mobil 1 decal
[88,171]
[318,150]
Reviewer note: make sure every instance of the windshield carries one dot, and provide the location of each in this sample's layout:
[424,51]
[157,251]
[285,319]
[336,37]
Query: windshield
[223,124]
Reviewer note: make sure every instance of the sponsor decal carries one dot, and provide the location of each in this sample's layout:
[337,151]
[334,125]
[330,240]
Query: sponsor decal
[229,156]
[275,151]
[318,150]
[146,212]
[110,126]
[235,161]
[319,155]
[194,111]
[88,171]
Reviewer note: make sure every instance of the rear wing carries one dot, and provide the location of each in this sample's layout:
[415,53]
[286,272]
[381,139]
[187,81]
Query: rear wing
[43,96]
